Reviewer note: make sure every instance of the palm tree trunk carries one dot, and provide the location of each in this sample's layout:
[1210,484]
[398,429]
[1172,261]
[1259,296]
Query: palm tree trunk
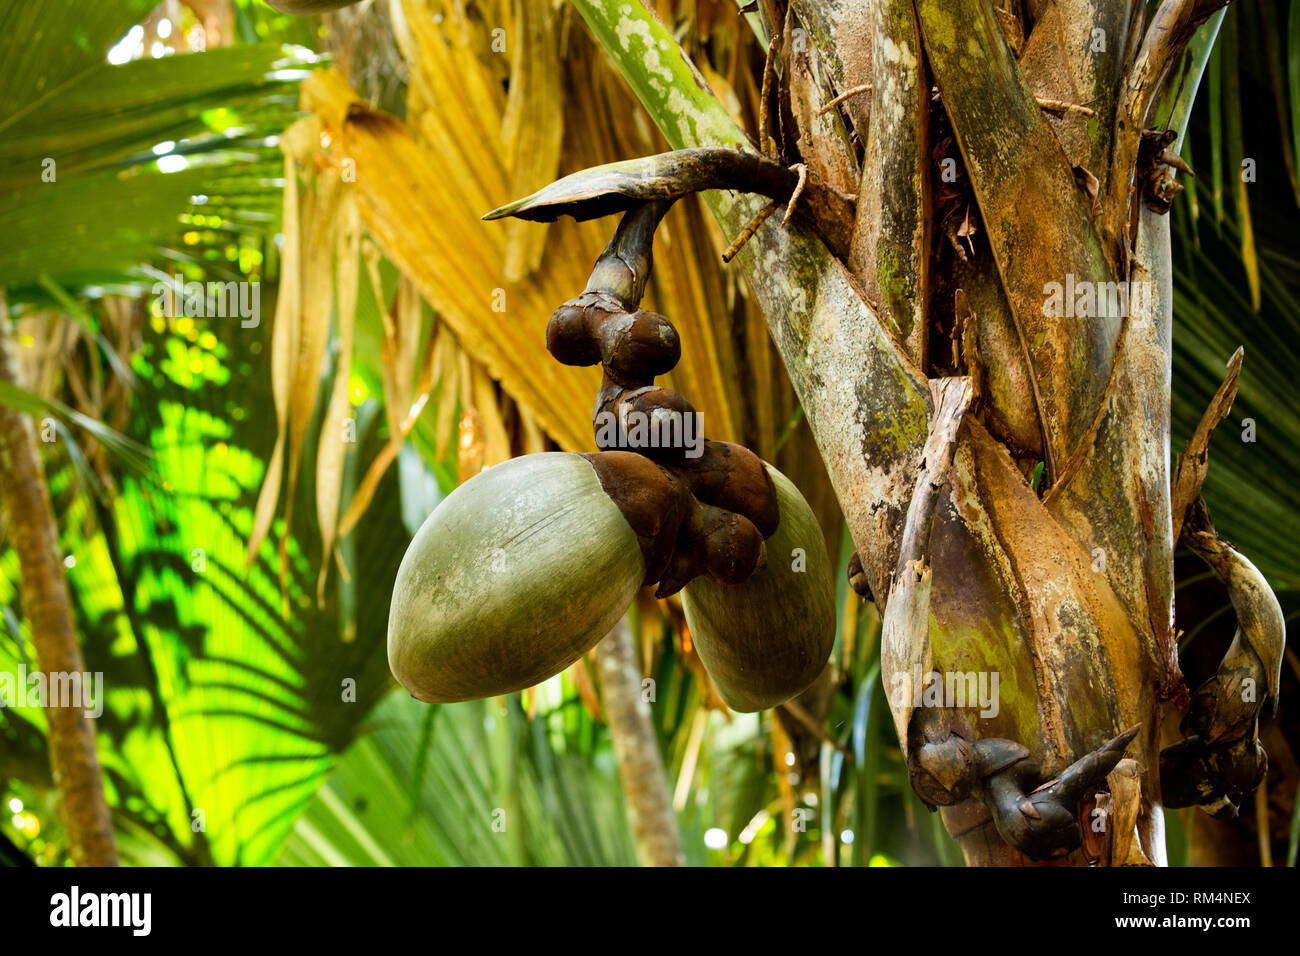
[1035,503]
[637,751]
[26,502]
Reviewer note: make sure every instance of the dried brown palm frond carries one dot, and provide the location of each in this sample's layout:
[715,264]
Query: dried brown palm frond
[419,189]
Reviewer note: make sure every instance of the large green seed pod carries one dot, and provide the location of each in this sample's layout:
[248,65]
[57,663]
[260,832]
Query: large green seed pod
[517,574]
[767,639]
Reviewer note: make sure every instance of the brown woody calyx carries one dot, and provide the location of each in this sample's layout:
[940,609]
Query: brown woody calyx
[680,537]
[733,477]
[714,543]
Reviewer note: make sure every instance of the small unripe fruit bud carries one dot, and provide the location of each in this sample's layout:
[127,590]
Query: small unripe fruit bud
[569,338]
[639,347]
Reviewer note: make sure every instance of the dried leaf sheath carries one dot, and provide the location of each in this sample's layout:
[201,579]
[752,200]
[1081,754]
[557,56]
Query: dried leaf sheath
[905,650]
[1036,218]
[893,231]
[329,458]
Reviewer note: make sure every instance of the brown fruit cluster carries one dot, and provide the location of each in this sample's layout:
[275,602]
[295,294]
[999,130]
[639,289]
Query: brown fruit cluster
[694,515]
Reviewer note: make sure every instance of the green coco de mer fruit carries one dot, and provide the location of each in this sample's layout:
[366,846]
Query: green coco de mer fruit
[765,640]
[516,574]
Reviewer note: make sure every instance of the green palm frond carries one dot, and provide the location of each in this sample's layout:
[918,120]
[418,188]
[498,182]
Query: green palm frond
[50,47]
[259,700]
[495,790]
[222,709]
[1232,240]
[131,454]
[98,161]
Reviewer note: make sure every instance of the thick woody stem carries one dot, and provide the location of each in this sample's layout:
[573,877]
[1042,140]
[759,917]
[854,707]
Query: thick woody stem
[945,768]
[637,752]
[34,534]
[624,267]
[905,635]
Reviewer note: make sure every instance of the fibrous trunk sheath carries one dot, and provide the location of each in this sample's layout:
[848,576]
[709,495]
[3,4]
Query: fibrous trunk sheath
[34,535]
